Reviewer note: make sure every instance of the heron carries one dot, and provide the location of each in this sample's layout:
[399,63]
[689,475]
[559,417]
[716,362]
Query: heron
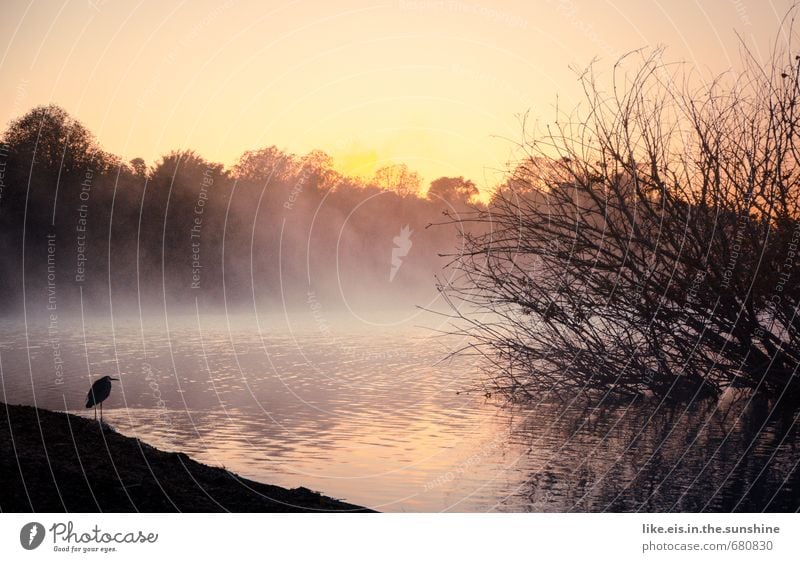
[99,392]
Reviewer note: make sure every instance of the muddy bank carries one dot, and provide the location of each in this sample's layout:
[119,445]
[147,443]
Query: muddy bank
[57,462]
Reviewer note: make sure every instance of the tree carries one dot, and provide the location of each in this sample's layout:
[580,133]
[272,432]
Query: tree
[55,142]
[650,246]
[139,167]
[268,164]
[398,178]
[50,155]
[453,190]
[317,168]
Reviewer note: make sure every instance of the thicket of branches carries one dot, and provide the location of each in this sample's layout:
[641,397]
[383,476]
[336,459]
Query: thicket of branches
[650,241]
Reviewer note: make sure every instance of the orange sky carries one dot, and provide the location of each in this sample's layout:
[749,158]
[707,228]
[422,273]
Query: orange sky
[437,84]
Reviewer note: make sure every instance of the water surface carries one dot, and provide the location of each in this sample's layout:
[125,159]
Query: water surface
[375,417]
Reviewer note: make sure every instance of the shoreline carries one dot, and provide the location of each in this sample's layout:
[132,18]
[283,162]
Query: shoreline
[59,462]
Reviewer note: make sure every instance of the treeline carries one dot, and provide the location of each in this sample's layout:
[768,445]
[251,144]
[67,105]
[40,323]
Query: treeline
[80,223]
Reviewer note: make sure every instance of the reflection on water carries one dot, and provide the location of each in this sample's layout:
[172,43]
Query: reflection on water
[377,419]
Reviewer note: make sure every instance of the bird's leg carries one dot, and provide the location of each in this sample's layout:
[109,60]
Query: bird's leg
[101,412]
[95,413]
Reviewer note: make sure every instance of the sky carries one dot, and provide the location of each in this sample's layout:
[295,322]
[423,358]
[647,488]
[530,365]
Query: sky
[437,84]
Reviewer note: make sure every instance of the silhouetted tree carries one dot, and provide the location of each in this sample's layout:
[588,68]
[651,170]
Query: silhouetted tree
[139,167]
[648,246]
[397,177]
[55,142]
[266,164]
[453,189]
[317,166]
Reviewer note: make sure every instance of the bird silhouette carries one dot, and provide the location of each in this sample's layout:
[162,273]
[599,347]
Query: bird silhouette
[99,392]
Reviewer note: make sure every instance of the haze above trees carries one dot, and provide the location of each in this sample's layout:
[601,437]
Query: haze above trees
[269,229]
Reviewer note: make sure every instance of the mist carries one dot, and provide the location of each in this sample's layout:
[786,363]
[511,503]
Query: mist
[85,233]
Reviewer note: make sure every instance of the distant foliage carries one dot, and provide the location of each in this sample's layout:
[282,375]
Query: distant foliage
[186,230]
[453,190]
[399,178]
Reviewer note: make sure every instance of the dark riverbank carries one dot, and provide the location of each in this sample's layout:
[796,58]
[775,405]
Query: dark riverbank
[58,462]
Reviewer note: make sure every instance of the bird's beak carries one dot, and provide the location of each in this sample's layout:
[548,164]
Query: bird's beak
[113,379]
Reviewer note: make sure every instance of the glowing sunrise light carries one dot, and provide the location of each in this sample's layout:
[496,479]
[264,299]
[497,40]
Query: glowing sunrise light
[439,86]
